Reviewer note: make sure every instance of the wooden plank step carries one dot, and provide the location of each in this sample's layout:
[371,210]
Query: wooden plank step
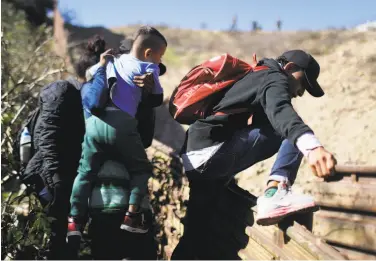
[359,169]
[353,254]
[312,244]
[346,195]
[353,173]
[264,237]
[347,229]
[255,251]
[296,243]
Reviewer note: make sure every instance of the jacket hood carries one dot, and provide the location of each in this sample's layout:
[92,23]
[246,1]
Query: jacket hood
[74,82]
[271,63]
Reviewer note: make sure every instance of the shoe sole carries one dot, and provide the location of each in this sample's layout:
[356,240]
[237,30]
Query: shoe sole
[275,219]
[133,230]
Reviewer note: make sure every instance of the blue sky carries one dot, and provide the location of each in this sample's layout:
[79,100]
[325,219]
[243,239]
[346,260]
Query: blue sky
[217,14]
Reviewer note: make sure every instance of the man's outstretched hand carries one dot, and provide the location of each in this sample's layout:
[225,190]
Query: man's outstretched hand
[322,162]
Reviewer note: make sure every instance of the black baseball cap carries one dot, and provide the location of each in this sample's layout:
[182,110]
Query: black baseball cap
[310,67]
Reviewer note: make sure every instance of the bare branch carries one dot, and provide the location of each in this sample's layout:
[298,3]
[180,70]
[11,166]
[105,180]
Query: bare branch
[42,44]
[32,85]
[19,112]
[7,200]
[7,178]
[31,61]
[41,78]
[76,43]
[8,130]
[19,82]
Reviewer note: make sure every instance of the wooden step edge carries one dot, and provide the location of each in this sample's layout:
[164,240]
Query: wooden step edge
[313,244]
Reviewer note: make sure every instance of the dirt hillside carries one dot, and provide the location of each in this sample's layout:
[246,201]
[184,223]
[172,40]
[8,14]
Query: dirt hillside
[344,119]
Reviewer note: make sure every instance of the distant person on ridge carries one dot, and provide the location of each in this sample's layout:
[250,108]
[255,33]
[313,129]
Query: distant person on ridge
[279,24]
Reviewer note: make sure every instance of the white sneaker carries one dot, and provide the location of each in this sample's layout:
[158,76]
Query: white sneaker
[271,210]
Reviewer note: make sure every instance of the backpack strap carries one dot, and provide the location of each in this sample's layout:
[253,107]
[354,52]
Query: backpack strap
[240,110]
[260,68]
[112,81]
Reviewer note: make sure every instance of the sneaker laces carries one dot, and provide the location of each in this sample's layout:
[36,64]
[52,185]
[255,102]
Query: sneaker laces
[285,185]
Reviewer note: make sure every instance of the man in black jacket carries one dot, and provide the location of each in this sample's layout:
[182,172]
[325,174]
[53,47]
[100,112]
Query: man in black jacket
[58,135]
[224,143]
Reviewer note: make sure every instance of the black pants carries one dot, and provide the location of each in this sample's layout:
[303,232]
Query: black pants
[59,210]
[109,242]
[218,213]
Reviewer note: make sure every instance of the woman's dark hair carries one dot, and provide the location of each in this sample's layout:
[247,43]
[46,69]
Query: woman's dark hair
[125,47]
[94,48]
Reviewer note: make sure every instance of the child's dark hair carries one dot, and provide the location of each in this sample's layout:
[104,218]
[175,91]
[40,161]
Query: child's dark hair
[149,36]
[94,48]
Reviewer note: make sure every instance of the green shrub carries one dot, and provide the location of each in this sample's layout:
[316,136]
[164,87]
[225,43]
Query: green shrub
[28,63]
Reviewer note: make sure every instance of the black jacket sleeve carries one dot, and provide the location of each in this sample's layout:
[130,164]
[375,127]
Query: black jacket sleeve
[51,101]
[276,102]
[154,100]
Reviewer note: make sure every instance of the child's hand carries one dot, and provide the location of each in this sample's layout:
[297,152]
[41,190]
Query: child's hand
[104,58]
[145,81]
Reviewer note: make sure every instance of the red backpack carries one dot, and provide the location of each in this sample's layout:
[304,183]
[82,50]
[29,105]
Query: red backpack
[201,89]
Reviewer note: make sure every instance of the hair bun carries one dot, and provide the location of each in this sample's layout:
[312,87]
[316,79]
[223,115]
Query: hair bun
[96,45]
[125,46]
